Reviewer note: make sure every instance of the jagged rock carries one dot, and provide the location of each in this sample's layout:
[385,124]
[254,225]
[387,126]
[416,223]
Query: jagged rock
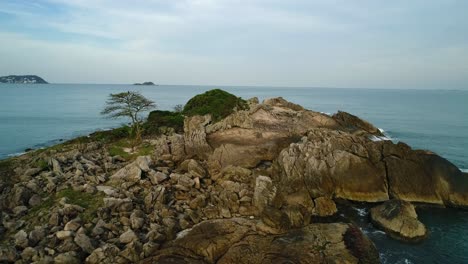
[19,196]
[35,200]
[137,219]
[354,123]
[36,235]
[127,237]
[195,169]
[19,211]
[342,165]
[72,225]
[55,166]
[128,174]
[84,242]
[62,235]
[67,258]
[21,239]
[150,249]
[236,174]
[104,254]
[28,253]
[143,162]
[264,192]
[157,177]
[195,139]
[120,205]
[399,220]
[132,252]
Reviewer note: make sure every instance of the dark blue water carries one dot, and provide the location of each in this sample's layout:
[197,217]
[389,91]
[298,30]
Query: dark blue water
[40,115]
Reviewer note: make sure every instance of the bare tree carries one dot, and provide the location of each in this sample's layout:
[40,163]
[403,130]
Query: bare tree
[179,108]
[128,104]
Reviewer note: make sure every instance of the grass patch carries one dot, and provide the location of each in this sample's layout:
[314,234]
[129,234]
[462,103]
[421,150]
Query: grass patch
[117,149]
[41,164]
[216,102]
[90,202]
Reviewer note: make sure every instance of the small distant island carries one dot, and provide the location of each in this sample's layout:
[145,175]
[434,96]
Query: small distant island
[33,79]
[145,83]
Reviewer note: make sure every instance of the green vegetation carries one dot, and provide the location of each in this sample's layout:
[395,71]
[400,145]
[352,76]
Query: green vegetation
[90,202]
[6,171]
[216,102]
[128,104]
[159,120]
[41,164]
[118,149]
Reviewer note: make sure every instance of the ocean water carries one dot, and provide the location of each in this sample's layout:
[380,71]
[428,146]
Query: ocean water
[34,116]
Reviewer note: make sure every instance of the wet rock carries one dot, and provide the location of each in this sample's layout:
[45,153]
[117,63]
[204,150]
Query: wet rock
[399,220]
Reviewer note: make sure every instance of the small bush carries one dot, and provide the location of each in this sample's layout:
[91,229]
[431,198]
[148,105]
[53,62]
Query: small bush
[6,170]
[111,135]
[41,164]
[216,102]
[157,120]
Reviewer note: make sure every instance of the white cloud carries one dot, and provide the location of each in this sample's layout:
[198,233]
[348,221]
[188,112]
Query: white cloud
[259,42]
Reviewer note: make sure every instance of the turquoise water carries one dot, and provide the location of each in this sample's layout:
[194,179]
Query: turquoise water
[40,115]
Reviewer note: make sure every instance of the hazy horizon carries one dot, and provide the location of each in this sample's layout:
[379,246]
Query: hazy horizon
[336,44]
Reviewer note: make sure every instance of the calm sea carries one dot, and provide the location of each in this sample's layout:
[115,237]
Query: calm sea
[33,116]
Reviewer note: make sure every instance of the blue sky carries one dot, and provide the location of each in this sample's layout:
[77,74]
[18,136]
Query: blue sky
[312,43]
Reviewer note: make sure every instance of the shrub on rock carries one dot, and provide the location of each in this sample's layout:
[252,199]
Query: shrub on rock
[216,102]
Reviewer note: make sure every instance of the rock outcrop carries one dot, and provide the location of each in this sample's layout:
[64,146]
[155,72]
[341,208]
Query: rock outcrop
[246,241]
[399,220]
[249,188]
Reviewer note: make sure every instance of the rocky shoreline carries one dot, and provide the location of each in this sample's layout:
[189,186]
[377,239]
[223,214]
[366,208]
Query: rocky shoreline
[258,186]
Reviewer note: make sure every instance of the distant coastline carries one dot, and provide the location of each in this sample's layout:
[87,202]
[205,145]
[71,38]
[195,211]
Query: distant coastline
[25,79]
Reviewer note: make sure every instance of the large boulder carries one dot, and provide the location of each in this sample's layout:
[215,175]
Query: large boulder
[399,220]
[245,241]
[338,164]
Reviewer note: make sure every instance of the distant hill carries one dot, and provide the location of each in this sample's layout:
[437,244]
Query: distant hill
[22,79]
[145,83]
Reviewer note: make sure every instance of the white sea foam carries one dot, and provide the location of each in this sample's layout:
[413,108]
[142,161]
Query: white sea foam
[16,154]
[464,170]
[381,138]
[325,113]
[361,211]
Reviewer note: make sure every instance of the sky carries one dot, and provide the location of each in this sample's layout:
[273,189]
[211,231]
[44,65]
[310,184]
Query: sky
[309,43]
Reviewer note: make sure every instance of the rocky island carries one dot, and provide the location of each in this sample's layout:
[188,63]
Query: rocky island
[30,79]
[144,83]
[225,180]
